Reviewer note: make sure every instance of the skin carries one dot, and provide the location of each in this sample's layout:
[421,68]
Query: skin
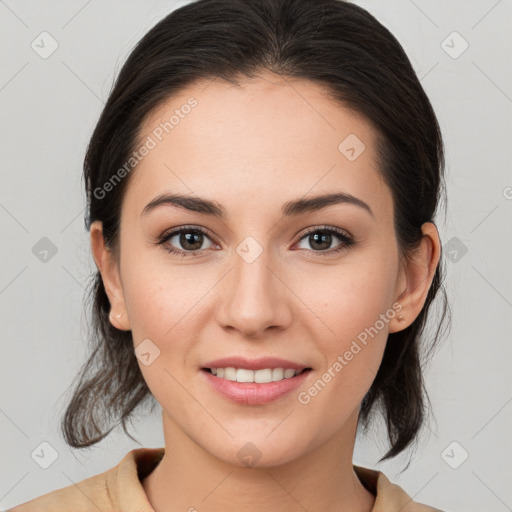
[252,148]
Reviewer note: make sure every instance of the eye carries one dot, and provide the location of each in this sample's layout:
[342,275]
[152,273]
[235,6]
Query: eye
[187,241]
[321,238]
[190,239]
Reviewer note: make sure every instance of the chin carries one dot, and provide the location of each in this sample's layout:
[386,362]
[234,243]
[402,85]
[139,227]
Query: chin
[258,452]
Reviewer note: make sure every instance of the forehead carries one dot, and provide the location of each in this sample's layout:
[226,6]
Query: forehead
[268,137]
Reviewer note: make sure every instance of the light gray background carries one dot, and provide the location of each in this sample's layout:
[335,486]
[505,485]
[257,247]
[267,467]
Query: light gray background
[49,108]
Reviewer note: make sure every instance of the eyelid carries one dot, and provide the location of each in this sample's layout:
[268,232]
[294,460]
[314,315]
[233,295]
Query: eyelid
[189,227]
[325,227]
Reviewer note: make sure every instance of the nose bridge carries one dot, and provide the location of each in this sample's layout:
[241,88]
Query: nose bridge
[253,299]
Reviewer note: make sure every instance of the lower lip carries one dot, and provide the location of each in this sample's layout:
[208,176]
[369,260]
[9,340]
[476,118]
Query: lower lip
[251,393]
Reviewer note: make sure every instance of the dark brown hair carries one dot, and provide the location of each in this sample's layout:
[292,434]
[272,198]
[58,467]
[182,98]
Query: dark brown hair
[333,43]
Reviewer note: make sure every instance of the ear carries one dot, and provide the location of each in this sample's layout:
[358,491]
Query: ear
[415,278]
[109,268]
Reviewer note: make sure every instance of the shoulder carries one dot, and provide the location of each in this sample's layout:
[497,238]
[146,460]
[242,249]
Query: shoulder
[390,497]
[91,494]
[118,488]
[398,498]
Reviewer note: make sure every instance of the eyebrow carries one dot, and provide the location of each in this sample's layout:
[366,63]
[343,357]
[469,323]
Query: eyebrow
[290,208]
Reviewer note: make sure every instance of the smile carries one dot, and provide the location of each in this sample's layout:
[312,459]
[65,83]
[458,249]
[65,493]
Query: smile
[254,387]
[262,376]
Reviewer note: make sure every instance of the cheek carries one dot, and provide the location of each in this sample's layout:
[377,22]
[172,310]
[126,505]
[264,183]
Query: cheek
[356,310]
[351,299]
[160,299]
[353,311]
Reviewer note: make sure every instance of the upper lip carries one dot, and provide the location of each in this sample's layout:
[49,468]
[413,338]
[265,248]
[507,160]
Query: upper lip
[254,364]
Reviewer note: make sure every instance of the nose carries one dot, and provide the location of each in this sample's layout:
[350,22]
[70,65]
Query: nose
[254,297]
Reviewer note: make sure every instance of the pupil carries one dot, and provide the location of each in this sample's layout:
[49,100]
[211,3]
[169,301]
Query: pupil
[186,240]
[323,237]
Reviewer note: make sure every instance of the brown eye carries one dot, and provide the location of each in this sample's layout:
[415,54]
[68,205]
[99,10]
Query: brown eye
[321,239]
[190,240]
[185,241]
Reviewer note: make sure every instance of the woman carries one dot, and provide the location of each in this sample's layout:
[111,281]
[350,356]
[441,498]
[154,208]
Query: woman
[262,186]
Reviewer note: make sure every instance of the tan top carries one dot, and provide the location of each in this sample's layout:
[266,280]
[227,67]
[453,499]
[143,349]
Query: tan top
[120,490]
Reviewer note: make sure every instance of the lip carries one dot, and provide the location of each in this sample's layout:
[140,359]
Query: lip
[255,364]
[252,393]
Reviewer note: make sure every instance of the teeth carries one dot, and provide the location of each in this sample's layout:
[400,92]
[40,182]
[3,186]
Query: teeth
[261,376]
[277,374]
[230,373]
[245,375]
[289,373]
[258,376]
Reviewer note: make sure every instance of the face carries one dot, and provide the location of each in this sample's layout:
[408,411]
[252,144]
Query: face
[315,286]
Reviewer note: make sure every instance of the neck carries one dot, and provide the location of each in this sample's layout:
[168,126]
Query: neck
[189,478]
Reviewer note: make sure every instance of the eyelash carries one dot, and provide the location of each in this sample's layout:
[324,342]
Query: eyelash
[346,239]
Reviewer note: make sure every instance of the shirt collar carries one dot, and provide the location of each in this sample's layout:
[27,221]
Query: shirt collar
[124,484]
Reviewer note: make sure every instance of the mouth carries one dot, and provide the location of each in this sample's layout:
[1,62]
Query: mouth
[262,376]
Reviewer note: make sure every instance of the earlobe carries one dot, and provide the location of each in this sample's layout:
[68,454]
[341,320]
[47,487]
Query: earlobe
[115,320]
[418,273]
[108,267]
